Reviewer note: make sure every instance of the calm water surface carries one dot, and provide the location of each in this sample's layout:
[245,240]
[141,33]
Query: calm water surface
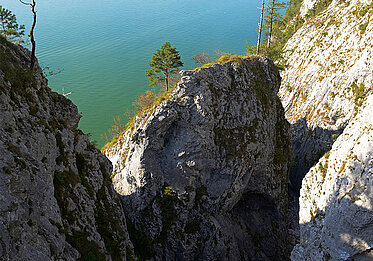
[104,46]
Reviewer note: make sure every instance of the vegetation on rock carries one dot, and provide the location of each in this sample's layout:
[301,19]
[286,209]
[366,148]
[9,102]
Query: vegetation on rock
[65,180]
[16,74]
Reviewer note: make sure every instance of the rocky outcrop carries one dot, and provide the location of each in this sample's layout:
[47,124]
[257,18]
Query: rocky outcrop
[307,5]
[327,95]
[56,197]
[203,176]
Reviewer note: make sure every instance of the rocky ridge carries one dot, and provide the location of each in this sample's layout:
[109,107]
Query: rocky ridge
[327,95]
[56,198]
[203,176]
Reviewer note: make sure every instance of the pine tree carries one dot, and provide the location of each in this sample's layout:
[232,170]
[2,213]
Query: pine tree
[9,27]
[165,63]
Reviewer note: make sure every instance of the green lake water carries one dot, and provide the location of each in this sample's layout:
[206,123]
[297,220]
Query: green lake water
[103,46]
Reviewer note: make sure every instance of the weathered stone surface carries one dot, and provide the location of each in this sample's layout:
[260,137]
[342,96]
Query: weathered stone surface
[204,175]
[56,197]
[307,5]
[327,95]
[327,80]
[326,58]
[336,215]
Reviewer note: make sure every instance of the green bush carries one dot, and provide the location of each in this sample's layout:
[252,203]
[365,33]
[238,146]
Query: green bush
[359,93]
[363,27]
[19,76]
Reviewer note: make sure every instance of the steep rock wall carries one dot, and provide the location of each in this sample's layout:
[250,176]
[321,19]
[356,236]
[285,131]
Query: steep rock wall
[329,76]
[327,95]
[336,215]
[56,198]
[203,176]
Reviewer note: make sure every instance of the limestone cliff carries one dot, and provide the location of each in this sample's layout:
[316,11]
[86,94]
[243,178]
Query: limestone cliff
[328,78]
[327,95]
[203,176]
[336,216]
[56,197]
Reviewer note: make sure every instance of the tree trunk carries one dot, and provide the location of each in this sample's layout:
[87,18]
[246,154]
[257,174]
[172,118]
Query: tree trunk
[166,80]
[272,9]
[32,5]
[260,29]
[32,35]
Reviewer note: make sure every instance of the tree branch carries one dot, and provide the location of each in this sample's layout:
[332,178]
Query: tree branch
[25,3]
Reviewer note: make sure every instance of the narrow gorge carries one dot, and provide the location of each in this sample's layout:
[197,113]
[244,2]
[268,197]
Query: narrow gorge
[244,161]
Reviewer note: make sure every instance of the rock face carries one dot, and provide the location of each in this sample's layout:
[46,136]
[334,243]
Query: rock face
[56,197]
[307,5]
[327,95]
[203,176]
[328,78]
[336,216]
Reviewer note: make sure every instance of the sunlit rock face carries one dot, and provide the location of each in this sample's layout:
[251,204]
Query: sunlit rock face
[56,198]
[307,5]
[204,175]
[336,215]
[329,75]
[327,95]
